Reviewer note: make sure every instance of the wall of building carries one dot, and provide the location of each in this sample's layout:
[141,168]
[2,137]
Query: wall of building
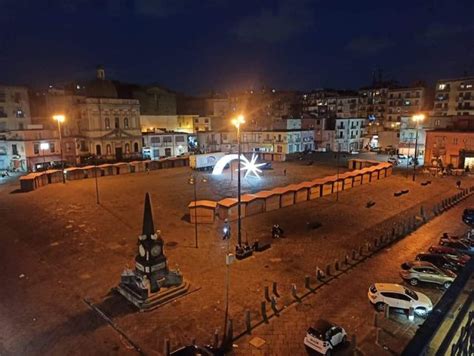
[450,147]
[14,108]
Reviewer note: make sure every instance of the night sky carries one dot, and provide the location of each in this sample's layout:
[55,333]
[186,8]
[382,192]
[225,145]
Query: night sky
[197,46]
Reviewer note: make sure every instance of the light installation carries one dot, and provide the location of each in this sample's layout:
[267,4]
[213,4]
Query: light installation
[250,167]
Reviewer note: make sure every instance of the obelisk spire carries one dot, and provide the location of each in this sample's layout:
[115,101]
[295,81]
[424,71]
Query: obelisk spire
[148,226]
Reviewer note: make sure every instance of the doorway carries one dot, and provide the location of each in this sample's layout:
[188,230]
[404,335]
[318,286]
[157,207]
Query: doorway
[118,153]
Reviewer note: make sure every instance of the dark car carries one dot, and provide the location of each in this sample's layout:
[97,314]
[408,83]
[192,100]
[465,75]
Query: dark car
[440,261]
[468,217]
[460,257]
[457,245]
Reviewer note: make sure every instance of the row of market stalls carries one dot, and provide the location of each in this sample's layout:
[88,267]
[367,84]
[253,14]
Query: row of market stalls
[36,180]
[205,211]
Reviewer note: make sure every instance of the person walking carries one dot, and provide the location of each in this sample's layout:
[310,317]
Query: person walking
[284,172]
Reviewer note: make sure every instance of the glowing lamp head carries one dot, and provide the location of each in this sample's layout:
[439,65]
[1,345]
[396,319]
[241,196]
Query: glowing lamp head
[59,118]
[44,146]
[239,120]
[418,118]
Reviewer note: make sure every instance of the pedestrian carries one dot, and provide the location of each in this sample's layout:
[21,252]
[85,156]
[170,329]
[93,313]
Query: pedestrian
[284,172]
[458,184]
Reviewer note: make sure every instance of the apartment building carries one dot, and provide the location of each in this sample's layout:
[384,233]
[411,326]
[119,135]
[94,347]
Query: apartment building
[349,134]
[454,97]
[14,108]
[403,102]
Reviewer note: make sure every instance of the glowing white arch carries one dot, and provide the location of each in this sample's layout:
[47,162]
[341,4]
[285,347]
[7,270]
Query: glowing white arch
[250,167]
[224,161]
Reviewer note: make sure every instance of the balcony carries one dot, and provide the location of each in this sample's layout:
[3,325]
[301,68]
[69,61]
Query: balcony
[3,115]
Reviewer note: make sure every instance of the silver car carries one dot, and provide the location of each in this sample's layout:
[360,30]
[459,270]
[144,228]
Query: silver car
[422,271]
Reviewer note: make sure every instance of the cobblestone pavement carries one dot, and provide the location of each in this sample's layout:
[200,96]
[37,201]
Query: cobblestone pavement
[344,300]
[59,247]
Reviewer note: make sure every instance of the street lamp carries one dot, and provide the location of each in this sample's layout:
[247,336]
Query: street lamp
[44,146]
[193,181]
[239,120]
[60,119]
[417,119]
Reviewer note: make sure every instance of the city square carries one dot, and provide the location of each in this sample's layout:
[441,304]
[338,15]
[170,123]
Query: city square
[72,244]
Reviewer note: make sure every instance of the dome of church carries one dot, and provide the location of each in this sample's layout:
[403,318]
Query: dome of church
[101,87]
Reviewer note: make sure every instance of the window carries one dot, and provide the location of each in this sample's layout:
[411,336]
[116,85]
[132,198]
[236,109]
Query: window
[154,139]
[14,150]
[17,97]
[341,134]
[196,121]
[437,122]
[441,86]
[224,137]
[318,122]
[98,150]
[107,123]
[411,294]
[167,139]
[127,148]
[135,147]
[51,147]
[2,96]
[125,123]
[36,148]
[455,140]
[19,114]
[68,147]
[206,121]
[179,138]
[108,149]
[117,123]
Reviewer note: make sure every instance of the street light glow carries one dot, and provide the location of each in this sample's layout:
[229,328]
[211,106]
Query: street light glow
[44,146]
[239,120]
[418,118]
[59,118]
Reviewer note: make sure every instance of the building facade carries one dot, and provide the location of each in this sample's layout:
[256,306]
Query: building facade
[454,97]
[404,102]
[29,150]
[158,145]
[349,134]
[450,147]
[14,108]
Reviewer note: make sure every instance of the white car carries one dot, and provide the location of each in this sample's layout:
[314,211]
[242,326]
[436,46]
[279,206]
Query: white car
[324,336]
[397,296]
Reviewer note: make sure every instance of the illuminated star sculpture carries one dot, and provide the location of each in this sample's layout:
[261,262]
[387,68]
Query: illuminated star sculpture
[251,167]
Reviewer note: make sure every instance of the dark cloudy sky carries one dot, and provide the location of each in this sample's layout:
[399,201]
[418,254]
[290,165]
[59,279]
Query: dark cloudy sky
[202,45]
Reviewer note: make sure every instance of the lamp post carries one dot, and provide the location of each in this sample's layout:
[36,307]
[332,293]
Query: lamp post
[417,118]
[60,119]
[44,146]
[239,120]
[193,181]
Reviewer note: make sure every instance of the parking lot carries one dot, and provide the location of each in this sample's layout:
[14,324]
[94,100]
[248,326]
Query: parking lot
[344,301]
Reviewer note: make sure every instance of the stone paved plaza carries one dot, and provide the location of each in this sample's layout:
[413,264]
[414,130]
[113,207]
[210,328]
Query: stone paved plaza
[72,249]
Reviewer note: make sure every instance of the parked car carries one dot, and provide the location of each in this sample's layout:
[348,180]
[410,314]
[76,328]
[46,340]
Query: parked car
[442,261]
[468,216]
[324,336]
[397,296]
[451,252]
[393,161]
[457,245]
[420,271]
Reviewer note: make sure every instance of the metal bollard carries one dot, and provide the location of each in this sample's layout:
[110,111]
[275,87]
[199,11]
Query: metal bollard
[346,260]
[307,283]
[328,270]
[336,265]
[263,310]
[248,322]
[274,306]
[354,255]
[267,294]
[319,274]
[275,289]
[294,294]
[386,311]
[167,347]
[411,314]
[361,251]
